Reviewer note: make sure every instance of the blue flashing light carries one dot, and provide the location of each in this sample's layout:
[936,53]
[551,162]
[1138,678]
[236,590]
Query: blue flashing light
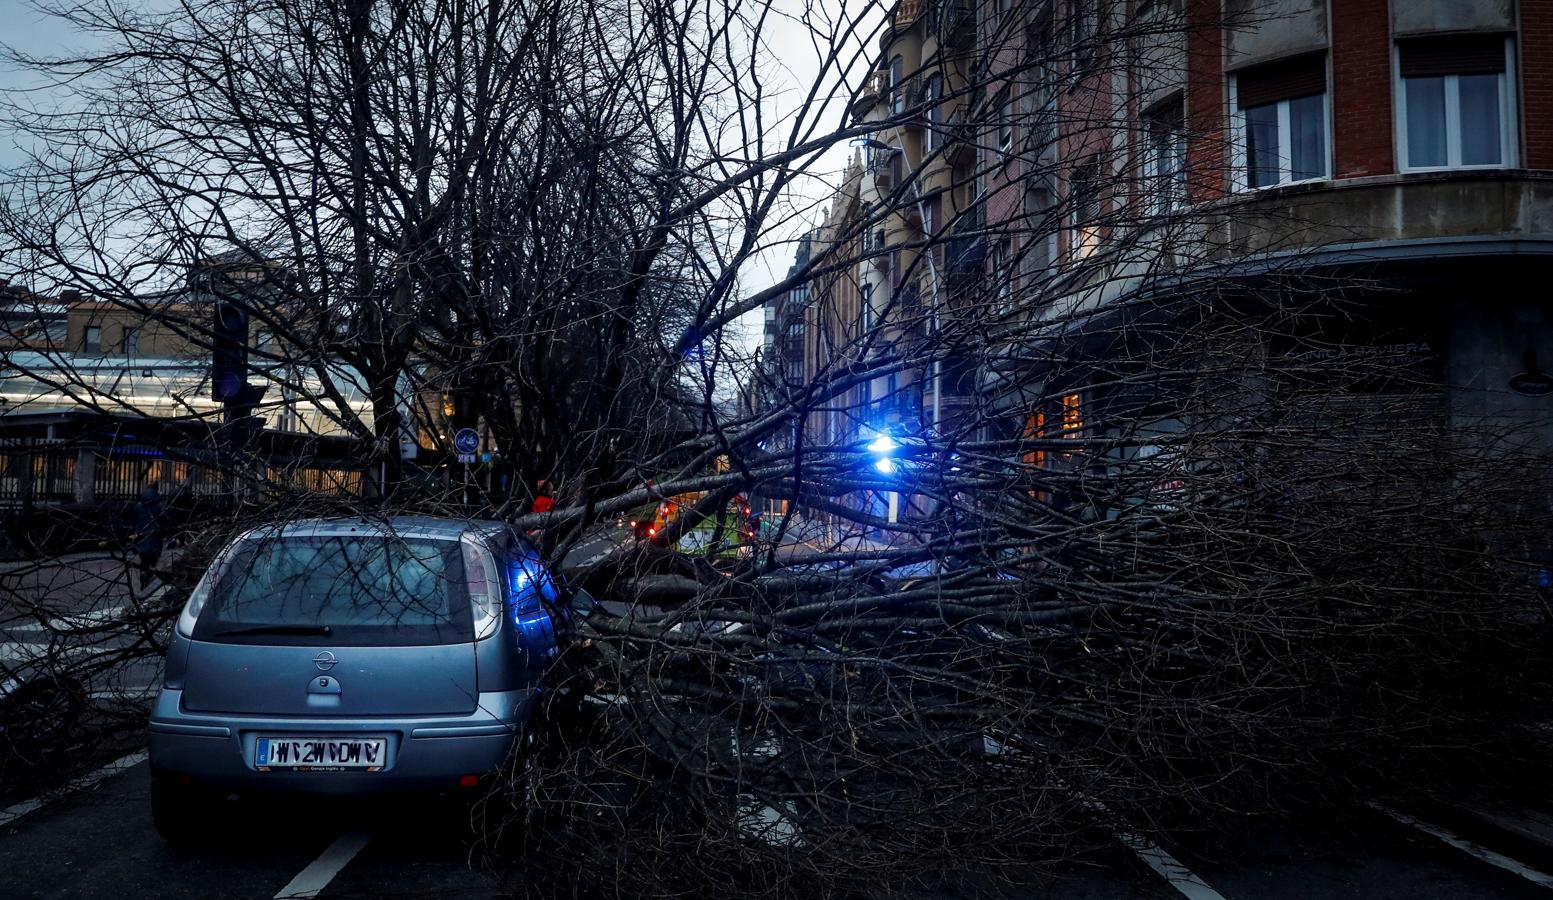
[532,594]
[883,445]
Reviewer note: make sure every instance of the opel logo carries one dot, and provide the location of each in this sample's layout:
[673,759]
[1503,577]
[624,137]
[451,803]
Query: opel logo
[325,660]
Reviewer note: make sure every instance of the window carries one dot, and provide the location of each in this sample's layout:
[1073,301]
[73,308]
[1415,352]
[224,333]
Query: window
[1081,32]
[897,75]
[1454,102]
[1041,248]
[1157,10]
[1037,457]
[865,294]
[91,339]
[1084,200]
[129,341]
[368,591]
[932,95]
[1003,268]
[1282,122]
[932,223]
[1035,430]
[1005,112]
[1072,415]
[1164,165]
[897,176]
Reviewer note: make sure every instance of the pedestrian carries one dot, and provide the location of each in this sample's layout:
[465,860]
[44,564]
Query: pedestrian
[543,503]
[147,520]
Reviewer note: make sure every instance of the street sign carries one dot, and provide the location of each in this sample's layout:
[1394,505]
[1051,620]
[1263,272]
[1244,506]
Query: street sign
[466,458]
[467,442]
[1532,384]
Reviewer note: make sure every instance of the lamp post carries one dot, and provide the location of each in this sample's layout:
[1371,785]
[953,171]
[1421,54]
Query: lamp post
[873,143]
[883,448]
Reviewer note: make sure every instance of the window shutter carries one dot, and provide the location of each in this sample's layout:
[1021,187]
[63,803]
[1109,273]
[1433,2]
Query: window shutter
[1285,79]
[1476,54]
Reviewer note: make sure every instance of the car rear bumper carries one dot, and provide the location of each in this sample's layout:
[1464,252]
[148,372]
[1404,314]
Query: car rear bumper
[425,753]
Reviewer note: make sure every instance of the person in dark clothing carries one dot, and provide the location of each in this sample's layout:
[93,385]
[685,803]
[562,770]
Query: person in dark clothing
[147,519]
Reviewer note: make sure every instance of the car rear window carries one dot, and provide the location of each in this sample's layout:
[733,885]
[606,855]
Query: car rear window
[340,589]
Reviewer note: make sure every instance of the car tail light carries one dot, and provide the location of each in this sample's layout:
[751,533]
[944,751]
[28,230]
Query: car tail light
[484,591]
[202,591]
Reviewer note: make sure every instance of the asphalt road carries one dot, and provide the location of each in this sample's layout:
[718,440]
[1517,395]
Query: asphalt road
[99,842]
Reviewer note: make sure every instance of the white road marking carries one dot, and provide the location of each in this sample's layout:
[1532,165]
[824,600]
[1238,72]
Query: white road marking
[1460,843]
[1169,868]
[128,692]
[91,779]
[313,879]
[1184,880]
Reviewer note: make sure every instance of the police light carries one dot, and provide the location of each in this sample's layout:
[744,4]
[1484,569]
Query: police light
[883,447]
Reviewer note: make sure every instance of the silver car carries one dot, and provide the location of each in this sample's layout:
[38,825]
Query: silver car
[351,656]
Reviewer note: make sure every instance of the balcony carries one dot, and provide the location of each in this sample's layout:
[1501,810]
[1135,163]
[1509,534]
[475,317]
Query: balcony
[966,249]
[905,14]
[957,21]
[1445,211]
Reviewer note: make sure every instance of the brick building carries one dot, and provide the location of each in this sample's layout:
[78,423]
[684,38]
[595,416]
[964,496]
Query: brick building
[1034,149]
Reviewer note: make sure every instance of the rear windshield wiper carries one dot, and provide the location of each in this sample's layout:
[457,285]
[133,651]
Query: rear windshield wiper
[276,629]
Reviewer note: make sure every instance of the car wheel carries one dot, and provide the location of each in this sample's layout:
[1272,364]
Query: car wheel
[180,813]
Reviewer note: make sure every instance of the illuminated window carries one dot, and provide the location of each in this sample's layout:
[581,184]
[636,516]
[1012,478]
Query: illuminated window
[1035,430]
[1072,415]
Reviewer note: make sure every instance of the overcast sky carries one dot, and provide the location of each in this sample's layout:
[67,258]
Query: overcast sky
[792,65]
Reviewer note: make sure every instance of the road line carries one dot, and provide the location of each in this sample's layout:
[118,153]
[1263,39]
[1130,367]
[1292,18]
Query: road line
[1484,854]
[1169,868]
[313,879]
[128,692]
[91,779]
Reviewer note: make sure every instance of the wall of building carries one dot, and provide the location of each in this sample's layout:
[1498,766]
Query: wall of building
[1261,30]
[158,337]
[1420,16]
[1491,334]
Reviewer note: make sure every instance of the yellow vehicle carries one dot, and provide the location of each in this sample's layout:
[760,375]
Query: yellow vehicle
[727,533]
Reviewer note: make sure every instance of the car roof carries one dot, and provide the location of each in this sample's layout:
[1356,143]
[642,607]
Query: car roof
[404,526]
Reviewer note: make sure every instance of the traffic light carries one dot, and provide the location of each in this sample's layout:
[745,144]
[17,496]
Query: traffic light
[459,409]
[229,351]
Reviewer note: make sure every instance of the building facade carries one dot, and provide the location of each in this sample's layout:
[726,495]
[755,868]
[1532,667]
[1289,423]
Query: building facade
[1053,156]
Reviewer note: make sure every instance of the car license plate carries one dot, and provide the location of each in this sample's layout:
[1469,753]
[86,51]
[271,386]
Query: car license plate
[320,754]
